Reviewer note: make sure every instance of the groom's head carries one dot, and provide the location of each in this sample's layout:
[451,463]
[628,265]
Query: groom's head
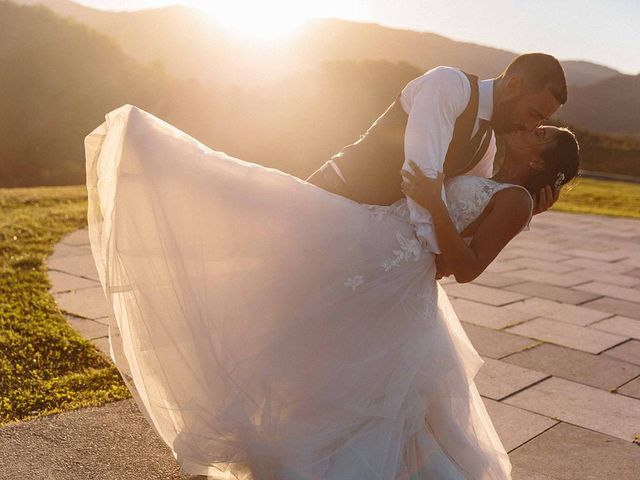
[530,90]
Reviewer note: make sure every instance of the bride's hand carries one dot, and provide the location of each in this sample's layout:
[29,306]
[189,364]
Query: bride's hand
[425,191]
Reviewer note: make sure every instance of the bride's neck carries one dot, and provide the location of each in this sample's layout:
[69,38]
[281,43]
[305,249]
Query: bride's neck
[511,172]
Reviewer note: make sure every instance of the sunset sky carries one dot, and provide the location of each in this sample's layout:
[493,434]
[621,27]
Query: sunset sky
[602,31]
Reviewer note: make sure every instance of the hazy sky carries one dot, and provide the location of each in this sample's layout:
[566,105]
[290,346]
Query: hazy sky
[602,31]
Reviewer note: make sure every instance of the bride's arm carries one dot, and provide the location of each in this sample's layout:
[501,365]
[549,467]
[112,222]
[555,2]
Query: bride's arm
[510,212]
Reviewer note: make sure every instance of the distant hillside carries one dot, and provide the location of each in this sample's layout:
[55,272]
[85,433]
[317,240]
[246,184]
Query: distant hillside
[611,105]
[192,45]
[59,78]
[580,73]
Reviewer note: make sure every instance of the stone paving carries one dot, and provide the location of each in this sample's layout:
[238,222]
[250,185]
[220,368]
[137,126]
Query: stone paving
[556,318]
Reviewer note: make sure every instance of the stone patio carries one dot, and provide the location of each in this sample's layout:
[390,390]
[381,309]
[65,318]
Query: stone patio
[556,318]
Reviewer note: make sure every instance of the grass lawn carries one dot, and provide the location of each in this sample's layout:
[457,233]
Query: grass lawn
[602,198]
[45,366]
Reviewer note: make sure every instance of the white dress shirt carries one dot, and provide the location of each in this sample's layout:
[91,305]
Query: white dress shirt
[433,102]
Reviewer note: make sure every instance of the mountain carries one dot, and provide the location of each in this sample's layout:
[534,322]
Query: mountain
[190,44]
[580,73]
[611,105]
[57,80]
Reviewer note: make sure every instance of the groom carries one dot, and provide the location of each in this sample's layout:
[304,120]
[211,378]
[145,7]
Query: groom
[445,121]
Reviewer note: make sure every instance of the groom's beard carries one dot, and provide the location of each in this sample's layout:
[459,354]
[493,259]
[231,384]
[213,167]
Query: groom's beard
[501,120]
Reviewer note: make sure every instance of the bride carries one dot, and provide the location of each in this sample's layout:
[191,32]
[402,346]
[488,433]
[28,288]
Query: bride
[269,329]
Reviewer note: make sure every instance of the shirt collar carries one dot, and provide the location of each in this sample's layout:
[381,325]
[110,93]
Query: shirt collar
[485,99]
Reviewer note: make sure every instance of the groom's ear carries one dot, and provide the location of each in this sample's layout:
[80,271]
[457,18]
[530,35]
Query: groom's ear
[513,86]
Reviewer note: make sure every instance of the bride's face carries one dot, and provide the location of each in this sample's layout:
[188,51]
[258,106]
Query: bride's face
[530,144]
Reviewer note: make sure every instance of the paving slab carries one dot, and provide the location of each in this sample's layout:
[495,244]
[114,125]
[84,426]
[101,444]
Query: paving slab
[496,344]
[478,293]
[613,305]
[77,238]
[112,442]
[87,303]
[566,334]
[498,380]
[609,413]
[525,249]
[634,273]
[62,249]
[613,291]
[103,345]
[606,255]
[506,255]
[542,265]
[627,351]
[551,292]
[63,282]
[550,278]
[628,280]
[488,315]
[502,267]
[89,329]
[568,452]
[515,426]
[491,279]
[520,473]
[628,327]
[598,371]
[575,314]
[633,260]
[80,265]
[620,267]
[548,264]
[631,389]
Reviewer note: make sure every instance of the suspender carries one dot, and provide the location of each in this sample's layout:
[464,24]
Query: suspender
[462,130]
[465,152]
[372,164]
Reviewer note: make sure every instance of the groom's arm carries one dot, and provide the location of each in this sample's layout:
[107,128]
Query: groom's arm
[433,102]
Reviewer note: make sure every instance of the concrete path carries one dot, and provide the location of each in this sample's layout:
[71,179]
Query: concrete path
[556,318]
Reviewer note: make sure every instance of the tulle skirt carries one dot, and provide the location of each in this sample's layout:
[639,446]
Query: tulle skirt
[269,329]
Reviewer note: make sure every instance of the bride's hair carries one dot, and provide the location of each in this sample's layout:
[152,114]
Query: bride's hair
[561,163]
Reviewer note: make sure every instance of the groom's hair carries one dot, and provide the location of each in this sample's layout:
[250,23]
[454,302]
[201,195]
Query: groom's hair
[539,70]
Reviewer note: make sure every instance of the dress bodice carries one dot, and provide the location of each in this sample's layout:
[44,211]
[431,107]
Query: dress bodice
[467,197]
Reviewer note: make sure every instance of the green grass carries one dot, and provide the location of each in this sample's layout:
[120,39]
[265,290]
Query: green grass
[602,198]
[45,366]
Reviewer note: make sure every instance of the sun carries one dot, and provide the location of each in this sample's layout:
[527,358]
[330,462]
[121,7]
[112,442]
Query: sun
[260,19]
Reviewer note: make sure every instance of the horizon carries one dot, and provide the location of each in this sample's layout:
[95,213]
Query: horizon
[473,27]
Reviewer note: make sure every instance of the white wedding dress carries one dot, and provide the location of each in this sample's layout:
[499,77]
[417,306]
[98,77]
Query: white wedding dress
[269,329]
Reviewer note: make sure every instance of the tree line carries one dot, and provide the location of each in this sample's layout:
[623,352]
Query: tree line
[59,78]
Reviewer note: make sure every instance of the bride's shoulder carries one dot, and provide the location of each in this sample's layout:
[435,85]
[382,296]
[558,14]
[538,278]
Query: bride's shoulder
[466,181]
[515,199]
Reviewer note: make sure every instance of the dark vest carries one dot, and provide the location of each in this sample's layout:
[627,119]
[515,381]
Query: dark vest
[371,166]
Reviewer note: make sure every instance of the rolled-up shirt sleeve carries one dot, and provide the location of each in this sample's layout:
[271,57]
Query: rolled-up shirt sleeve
[433,102]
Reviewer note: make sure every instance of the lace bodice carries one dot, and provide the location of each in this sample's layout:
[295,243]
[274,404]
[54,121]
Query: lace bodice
[467,197]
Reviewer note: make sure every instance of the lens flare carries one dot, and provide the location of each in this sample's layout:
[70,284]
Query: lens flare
[260,19]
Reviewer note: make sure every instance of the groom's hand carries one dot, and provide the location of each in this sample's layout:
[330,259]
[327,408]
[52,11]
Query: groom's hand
[442,269]
[546,198]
